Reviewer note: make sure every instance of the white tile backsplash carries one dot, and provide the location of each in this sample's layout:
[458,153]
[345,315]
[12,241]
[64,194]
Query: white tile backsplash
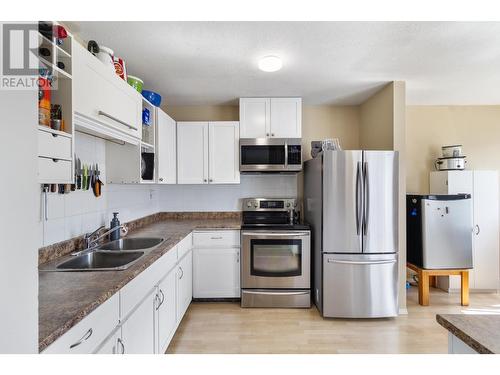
[79,212]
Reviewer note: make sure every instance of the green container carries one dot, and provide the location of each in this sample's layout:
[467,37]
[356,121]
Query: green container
[135,82]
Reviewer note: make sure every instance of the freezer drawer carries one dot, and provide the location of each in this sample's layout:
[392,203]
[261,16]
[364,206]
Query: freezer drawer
[360,285]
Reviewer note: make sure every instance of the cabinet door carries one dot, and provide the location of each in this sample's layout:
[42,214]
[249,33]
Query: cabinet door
[224,163]
[184,284]
[138,329]
[255,117]
[166,318]
[485,238]
[166,142]
[286,117]
[113,344]
[99,94]
[192,152]
[216,273]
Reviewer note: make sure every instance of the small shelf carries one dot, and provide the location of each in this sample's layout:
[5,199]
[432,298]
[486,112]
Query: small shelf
[55,69]
[53,131]
[147,146]
[44,41]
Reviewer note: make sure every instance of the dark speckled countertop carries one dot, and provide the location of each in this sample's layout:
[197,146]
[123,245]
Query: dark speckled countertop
[65,298]
[480,332]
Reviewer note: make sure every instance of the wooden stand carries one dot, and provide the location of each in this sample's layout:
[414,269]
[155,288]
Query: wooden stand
[428,278]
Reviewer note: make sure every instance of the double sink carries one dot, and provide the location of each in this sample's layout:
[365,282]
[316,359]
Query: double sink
[112,256]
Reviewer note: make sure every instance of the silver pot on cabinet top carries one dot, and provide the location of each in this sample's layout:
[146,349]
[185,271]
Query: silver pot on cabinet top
[454,151]
[450,164]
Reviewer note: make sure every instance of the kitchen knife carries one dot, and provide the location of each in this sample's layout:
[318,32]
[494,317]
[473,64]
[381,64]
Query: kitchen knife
[79,175]
[73,185]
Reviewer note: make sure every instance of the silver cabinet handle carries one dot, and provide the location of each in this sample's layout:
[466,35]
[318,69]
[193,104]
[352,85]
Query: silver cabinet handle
[102,113]
[211,180]
[272,134]
[84,338]
[157,302]
[204,180]
[162,297]
[46,202]
[267,134]
[182,273]
[238,257]
[361,263]
[478,230]
[161,178]
[122,345]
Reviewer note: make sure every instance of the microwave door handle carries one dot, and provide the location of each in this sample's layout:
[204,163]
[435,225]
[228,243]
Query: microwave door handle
[286,154]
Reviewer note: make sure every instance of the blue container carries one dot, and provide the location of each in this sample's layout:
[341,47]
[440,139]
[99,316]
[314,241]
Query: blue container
[152,97]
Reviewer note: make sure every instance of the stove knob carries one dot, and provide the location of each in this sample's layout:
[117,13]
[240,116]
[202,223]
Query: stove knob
[255,205]
[249,204]
[288,204]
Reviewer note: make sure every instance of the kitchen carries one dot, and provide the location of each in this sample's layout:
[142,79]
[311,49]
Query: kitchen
[168,219]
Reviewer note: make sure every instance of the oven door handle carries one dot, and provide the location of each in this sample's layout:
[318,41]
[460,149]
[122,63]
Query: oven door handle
[275,234]
[276,293]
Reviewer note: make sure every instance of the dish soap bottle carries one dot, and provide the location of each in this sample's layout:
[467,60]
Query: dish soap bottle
[114,235]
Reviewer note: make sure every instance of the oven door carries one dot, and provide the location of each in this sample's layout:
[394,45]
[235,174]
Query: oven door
[275,259]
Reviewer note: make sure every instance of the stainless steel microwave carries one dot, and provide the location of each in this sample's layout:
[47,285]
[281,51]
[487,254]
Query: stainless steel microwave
[270,155]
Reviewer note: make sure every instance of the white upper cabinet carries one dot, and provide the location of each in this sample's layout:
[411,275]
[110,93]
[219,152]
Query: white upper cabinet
[224,167]
[166,150]
[103,102]
[208,152]
[270,117]
[255,117]
[192,152]
[286,117]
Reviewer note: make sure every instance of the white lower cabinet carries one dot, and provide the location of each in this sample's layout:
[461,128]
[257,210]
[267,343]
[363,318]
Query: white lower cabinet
[143,316]
[184,284]
[138,330]
[166,319]
[113,344]
[216,264]
[216,273]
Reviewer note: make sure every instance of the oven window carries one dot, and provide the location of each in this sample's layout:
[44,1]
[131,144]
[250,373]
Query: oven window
[276,258]
[255,155]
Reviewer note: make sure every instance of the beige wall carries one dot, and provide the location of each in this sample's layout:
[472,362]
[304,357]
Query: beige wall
[377,120]
[320,122]
[203,113]
[477,128]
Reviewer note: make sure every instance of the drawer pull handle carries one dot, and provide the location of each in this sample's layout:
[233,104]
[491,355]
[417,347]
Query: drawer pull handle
[182,273]
[216,238]
[84,338]
[122,345]
[55,160]
[55,135]
[162,297]
[157,302]
[478,230]
[116,119]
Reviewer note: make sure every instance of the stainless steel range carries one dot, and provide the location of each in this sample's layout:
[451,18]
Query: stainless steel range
[276,255]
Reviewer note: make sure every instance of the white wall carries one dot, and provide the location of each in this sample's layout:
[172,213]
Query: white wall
[225,197]
[79,212]
[18,244]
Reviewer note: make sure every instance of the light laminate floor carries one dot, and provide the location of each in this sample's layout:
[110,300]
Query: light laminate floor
[227,328]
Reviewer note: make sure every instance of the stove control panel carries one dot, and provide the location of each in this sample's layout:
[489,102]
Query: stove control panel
[269,204]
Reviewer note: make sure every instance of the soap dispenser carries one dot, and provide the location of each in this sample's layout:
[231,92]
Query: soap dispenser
[115,235]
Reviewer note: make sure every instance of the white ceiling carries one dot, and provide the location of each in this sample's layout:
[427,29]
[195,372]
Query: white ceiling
[206,63]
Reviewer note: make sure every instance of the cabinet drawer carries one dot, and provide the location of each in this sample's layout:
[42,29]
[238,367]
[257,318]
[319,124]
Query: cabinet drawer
[135,291]
[54,146]
[88,334]
[184,246]
[54,171]
[222,238]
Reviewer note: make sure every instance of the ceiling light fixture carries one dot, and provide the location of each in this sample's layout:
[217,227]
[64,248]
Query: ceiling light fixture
[270,63]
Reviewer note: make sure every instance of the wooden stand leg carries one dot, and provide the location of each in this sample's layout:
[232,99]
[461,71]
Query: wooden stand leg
[464,293]
[433,281]
[423,288]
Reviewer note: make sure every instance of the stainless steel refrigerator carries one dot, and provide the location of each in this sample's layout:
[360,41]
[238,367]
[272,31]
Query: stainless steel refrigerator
[351,202]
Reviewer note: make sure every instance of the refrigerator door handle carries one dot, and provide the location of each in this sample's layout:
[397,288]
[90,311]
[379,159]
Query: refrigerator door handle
[366,200]
[358,197]
[329,260]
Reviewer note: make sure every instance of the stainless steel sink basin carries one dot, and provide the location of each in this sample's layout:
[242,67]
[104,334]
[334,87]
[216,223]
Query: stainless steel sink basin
[101,261]
[126,244]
